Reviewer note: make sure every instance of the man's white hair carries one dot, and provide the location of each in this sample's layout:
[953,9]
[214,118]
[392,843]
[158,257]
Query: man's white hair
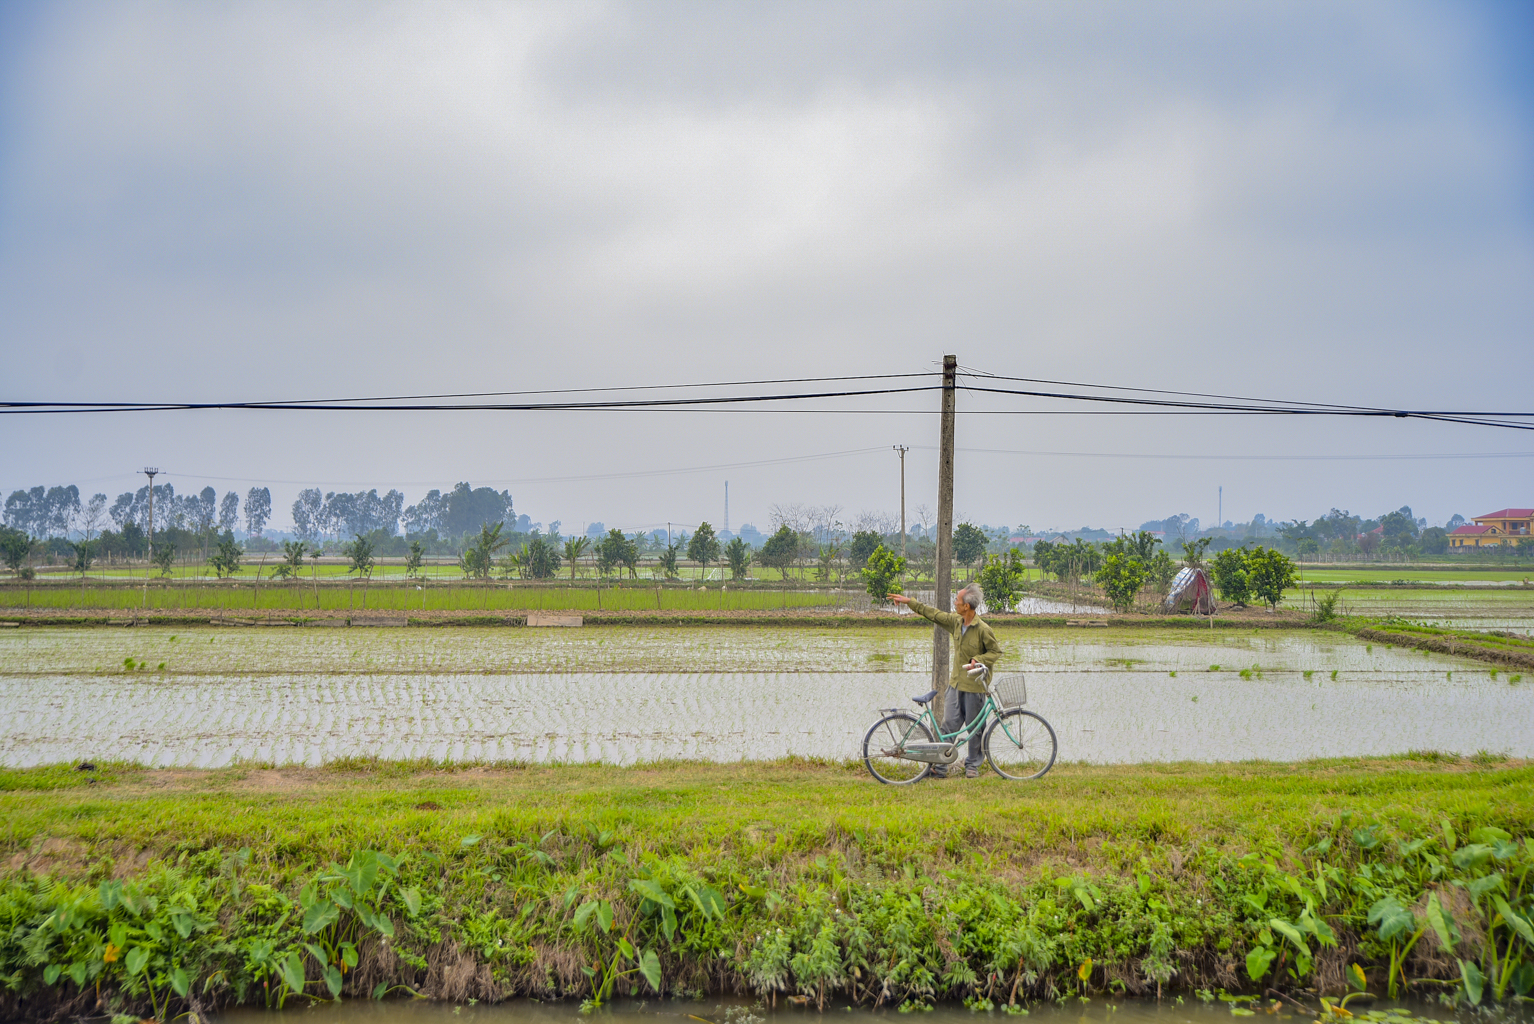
[972,595]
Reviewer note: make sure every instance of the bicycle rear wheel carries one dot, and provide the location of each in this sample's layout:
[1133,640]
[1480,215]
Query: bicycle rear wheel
[893,732]
[1020,745]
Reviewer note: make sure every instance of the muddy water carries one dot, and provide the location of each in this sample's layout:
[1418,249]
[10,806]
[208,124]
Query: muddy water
[1187,1010]
[1130,698]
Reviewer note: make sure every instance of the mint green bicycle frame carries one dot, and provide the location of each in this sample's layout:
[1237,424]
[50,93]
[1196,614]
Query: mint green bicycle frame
[967,731]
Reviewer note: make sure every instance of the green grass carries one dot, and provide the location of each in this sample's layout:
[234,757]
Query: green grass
[789,876]
[431,596]
[775,809]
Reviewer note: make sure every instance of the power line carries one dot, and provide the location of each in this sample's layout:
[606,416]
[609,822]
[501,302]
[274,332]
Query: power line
[655,403]
[1274,410]
[323,402]
[1415,456]
[1270,402]
[1178,403]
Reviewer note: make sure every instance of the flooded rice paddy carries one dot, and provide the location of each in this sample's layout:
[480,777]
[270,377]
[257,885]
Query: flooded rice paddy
[1509,609]
[211,697]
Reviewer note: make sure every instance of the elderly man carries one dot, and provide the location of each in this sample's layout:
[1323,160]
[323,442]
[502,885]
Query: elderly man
[974,645]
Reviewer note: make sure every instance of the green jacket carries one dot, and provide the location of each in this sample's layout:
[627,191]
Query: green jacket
[977,642]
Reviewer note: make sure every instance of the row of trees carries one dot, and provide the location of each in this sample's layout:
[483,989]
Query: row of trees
[1129,564]
[58,511]
[1395,536]
[17,549]
[338,514]
[539,557]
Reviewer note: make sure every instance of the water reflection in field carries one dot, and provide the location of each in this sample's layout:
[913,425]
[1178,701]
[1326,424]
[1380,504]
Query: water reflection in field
[1174,1010]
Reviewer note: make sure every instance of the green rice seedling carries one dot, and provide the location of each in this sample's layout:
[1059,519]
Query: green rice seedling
[1334,675]
[1308,674]
[1214,668]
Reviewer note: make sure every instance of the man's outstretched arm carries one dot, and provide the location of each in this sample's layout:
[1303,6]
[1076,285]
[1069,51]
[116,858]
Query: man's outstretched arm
[948,620]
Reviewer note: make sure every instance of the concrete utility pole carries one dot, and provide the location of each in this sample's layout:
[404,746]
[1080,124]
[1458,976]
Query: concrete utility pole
[942,598]
[902,449]
[151,472]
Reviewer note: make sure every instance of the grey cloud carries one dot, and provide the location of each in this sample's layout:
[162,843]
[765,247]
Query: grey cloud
[270,200]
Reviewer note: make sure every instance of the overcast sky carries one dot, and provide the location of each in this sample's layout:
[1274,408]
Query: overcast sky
[227,201]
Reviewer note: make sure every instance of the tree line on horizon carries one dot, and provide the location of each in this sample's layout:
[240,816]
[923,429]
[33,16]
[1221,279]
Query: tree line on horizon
[806,537]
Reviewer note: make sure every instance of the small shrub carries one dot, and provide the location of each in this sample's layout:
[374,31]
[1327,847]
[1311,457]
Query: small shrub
[882,574]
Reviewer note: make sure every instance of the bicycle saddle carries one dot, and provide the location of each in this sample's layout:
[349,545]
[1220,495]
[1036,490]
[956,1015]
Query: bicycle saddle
[925,697]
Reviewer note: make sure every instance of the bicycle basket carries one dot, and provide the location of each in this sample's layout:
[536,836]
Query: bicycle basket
[1011,690]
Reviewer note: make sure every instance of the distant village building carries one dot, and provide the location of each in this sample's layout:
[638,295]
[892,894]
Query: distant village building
[1508,525]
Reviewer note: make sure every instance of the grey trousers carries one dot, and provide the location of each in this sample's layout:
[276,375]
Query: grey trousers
[960,708]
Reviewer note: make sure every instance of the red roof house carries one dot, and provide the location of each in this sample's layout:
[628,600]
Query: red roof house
[1504,526]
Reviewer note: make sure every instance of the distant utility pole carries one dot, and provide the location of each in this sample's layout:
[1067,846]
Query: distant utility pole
[902,449]
[726,506]
[1219,516]
[943,583]
[151,472]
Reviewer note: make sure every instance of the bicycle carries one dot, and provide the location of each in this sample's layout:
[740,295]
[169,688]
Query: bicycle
[902,748]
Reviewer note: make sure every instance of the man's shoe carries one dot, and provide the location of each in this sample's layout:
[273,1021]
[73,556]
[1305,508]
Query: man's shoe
[972,773]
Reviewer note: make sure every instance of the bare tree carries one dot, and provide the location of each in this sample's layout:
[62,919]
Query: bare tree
[94,515]
[924,517]
[882,523]
[825,524]
[795,515]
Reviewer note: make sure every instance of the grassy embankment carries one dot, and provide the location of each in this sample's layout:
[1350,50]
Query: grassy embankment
[779,878]
[1499,648]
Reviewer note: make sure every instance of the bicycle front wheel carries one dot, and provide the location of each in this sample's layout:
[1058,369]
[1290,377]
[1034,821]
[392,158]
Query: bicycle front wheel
[1020,745]
[891,733]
